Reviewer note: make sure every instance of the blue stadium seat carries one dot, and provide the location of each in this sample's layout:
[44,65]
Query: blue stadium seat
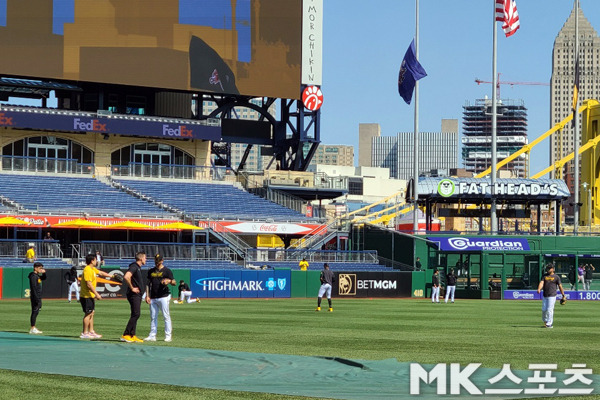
[212,199]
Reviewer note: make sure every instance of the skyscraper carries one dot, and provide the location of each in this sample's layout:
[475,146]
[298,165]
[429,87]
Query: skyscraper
[437,150]
[563,73]
[511,135]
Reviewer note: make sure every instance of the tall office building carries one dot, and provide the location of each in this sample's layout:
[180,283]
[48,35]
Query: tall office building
[366,132]
[338,154]
[511,135]
[437,150]
[255,161]
[563,72]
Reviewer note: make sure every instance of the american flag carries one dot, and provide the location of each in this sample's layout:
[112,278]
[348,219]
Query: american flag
[506,12]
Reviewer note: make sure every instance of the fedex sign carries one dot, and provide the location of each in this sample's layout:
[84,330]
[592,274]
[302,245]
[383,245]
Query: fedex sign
[179,131]
[92,125]
[5,121]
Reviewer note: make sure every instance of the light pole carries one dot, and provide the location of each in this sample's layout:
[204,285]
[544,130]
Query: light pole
[587,188]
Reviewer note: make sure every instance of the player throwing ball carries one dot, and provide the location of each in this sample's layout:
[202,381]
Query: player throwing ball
[549,283]
[327,279]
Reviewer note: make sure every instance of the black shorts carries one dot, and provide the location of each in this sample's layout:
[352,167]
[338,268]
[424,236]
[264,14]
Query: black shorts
[88,305]
[36,304]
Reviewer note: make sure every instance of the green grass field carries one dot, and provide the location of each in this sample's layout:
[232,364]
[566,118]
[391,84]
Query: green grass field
[490,332]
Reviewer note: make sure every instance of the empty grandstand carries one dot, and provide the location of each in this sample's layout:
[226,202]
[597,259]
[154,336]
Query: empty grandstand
[213,200]
[70,195]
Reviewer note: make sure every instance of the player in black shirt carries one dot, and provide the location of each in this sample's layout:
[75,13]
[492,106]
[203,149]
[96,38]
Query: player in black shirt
[35,294]
[158,295]
[135,283]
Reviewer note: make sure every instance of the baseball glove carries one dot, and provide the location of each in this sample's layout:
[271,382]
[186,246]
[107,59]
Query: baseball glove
[563,301]
[117,278]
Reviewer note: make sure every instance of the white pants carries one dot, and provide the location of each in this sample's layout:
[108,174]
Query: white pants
[161,304]
[450,293]
[74,288]
[548,310]
[187,295]
[435,294]
[325,289]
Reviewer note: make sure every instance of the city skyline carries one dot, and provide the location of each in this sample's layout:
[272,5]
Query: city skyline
[361,63]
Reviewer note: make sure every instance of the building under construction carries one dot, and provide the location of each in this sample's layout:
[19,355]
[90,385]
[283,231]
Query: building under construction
[511,134]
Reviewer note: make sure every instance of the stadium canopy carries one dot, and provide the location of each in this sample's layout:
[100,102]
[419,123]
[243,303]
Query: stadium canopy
[310,193]
[513,196]
[33,89]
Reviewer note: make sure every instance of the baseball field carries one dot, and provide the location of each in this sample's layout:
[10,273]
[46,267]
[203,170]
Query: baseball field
[227,349]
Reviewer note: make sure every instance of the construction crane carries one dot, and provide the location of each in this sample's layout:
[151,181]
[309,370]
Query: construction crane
[499,82]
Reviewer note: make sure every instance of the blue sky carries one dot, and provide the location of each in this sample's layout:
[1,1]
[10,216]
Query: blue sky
[364,43]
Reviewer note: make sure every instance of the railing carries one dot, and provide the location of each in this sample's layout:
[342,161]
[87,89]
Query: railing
[174,171]
[18,248]
[45,164]
[234,242]
[172,251]
[395,264]
[281,198]
[280,255]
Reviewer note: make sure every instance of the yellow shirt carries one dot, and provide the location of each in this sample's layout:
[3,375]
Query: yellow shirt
[89,275]
[30,253]
[303,265]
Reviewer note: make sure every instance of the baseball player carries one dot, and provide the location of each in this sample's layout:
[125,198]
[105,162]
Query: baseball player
[327,279]
[35,294]
[435,287]
[549,283]
[158,296]
[450,286]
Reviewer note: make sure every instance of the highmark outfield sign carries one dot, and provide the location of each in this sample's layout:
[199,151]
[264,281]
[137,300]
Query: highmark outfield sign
[464,243]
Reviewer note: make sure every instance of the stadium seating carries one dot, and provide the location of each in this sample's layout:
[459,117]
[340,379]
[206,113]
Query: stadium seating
[212,200]
[334,266]
[49,263]
[178,264]
[68,195]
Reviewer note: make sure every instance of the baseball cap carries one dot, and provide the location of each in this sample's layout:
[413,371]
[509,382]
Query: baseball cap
[158,258]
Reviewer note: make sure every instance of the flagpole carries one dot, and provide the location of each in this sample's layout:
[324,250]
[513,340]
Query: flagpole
[576,128]
[493,219]
[416,130]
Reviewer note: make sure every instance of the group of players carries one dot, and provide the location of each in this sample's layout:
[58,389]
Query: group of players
[548,288]
[156,293]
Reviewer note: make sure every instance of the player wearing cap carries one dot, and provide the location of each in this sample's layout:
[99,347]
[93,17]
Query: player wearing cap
[89,295]
[549,283]
[135,282]
[435,286]
[158,295]
[35,294]
[327,279]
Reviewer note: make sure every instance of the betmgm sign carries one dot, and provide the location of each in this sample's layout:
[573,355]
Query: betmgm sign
[372,284]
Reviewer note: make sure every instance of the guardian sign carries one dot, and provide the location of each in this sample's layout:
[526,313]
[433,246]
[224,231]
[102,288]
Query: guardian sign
[464,243]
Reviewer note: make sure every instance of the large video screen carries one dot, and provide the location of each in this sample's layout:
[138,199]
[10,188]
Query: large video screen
[247,47]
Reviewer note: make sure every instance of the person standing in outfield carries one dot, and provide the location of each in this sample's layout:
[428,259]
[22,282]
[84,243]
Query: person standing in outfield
[35,294]
[549,283]
[589,275]
[327,279]
[158,295]
[450,285]
[89,295]
[303,265]
[135,283]
[186,293]
[580,277]
[435,286]
[71,277]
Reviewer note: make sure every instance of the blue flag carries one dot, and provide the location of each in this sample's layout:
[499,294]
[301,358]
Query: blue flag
[410,72]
